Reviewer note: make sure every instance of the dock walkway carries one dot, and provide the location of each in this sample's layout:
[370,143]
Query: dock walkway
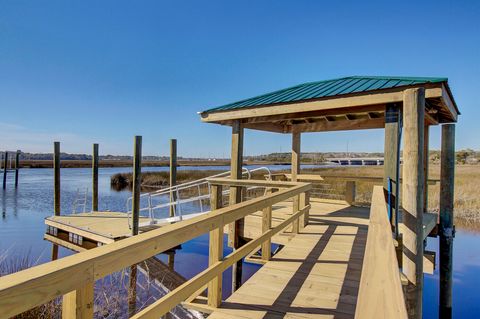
[315,275]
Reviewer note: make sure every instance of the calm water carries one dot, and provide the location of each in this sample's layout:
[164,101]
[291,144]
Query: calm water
[24,209]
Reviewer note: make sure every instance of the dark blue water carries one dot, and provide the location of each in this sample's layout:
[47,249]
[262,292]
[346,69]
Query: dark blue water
[24,209]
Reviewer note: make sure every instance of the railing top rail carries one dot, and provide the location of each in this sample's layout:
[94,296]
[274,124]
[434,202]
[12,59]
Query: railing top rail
[318,177]
[37,285]
[380,278]
[251,182]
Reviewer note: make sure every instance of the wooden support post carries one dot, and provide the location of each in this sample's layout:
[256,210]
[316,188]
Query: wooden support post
[350,191]
[426,146]
[95,178]
[78,304]
[5,162]
[137,179]
[412,197]
[266,225]
[56,178]
[17,167]
[215,250]
[235,230]
[391,153]
[295,170]
[173,174]
[447,177]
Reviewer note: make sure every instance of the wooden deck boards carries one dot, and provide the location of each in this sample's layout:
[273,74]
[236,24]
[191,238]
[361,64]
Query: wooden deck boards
[316,274]
[104,227]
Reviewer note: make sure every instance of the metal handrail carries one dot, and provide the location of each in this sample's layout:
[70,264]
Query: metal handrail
[177,209]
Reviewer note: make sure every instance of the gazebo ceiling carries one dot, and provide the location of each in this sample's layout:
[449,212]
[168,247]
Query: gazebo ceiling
[341,104]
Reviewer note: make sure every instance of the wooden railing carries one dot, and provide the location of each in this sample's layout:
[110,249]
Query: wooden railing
[380,294]
[350,181]
[74,276]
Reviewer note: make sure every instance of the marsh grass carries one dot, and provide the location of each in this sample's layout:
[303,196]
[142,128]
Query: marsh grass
[467,199]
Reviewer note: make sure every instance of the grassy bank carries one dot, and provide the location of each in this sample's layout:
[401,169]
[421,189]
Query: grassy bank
[467,199]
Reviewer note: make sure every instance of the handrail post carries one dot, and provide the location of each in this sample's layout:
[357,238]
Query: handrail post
[215,250]
[304,201]
[350,192]
[78,304]
[266,225]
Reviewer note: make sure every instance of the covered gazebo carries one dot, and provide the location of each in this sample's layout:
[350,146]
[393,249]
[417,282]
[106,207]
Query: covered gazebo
[397,104]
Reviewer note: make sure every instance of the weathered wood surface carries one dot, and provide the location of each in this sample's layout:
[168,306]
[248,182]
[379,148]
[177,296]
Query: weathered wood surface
[380,293]
[317,273]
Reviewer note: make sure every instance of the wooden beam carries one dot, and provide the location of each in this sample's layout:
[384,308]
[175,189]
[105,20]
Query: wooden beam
[412,197]
[173,174]
[341,125]
[235,230]
[95,178]
[350,192]
[321,114]
[446,229]
[137,180]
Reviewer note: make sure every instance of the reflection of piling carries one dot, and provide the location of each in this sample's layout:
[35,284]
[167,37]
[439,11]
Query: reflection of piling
[5,162]
[17,165]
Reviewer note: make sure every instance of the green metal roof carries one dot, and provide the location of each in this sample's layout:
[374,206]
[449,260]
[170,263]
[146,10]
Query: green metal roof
[328,88]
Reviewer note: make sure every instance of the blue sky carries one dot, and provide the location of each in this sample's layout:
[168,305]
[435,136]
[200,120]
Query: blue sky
[103,71]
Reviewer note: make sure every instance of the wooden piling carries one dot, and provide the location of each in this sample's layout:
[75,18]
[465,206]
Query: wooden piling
[5,162]
[412,197]
[173,174]
[95,178]
[137,176]
[426,146]
[235,230]
[391,153]
[295,171]
[56,178]
[17,167]
[447,177]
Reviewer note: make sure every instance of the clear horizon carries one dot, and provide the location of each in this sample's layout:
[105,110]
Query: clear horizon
[102,72]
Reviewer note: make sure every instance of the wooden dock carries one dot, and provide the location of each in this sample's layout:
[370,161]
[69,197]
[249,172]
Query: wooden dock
[315,275]
[88,230]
